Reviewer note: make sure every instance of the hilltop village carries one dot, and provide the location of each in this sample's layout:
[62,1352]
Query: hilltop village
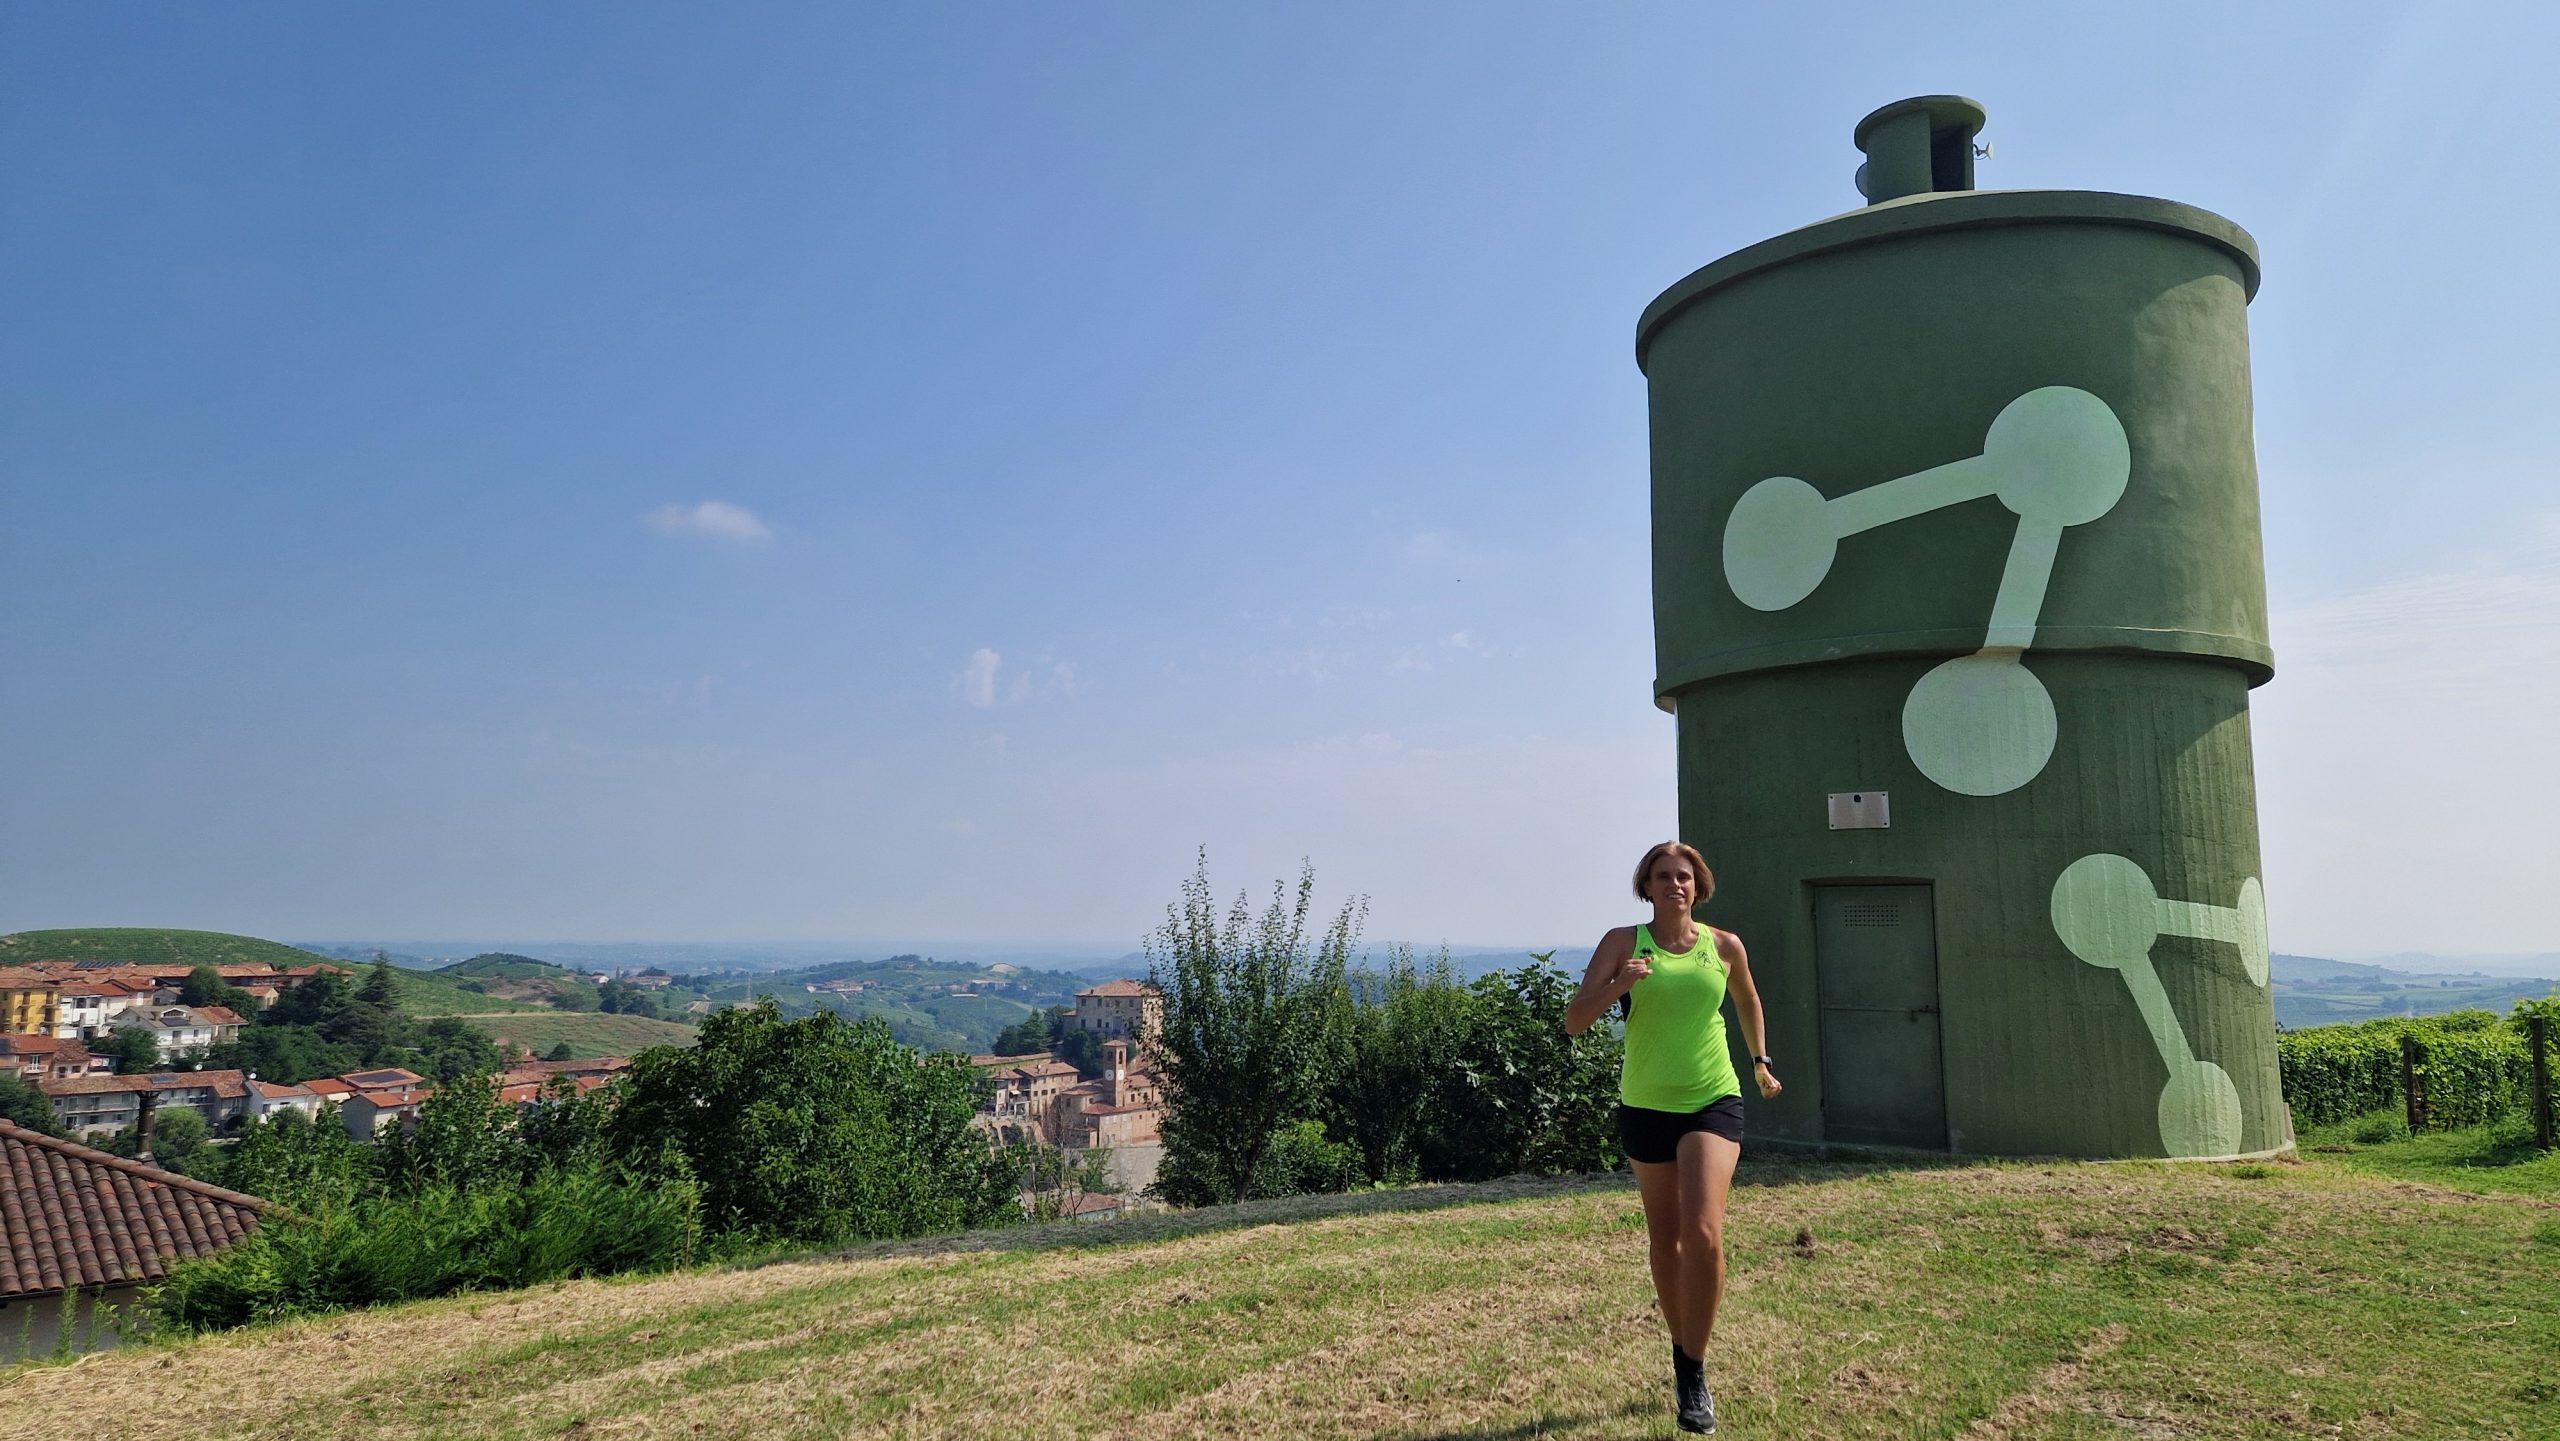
[116,1048]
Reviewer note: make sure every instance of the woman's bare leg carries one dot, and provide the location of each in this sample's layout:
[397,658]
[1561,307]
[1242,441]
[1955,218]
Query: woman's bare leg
[1703,1168]
[1658,1182]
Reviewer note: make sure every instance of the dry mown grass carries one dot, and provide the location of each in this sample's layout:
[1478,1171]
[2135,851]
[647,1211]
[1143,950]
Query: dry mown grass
[2012,1302]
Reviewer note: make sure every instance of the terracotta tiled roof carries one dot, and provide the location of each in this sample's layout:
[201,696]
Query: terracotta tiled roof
[277,1092]
[1119,988]
[328,1086]
[71,1215]
[224,1083]
[219,1016]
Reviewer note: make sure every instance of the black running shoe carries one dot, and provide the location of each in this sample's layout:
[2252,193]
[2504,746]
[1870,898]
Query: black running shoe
[1697,1405]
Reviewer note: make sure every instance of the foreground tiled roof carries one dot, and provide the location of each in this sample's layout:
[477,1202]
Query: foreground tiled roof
[71,1215]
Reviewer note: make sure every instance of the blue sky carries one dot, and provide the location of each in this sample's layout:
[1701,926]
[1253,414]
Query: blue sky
[801,472]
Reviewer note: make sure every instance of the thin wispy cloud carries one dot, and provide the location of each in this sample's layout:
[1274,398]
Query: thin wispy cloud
[712,520]
[986,681]
[976,682]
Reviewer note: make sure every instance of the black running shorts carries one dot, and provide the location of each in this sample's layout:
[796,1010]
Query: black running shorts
[1654,1136]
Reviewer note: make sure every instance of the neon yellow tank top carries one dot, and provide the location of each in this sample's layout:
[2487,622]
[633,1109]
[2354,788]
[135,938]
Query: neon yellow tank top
[1675,1051]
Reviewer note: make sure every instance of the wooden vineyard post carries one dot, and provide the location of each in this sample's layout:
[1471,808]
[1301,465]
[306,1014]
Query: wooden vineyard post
[2537,1035]
[2411,1087]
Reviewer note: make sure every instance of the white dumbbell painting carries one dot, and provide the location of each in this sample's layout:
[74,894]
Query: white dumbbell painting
[2109,914]
[1980,724]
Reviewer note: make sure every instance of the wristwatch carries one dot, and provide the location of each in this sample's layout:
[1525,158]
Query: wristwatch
[1764,1061]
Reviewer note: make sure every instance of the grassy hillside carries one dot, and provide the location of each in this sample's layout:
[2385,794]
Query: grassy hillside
[2063,1302]
[429,993]
[150,946]
[588,1033]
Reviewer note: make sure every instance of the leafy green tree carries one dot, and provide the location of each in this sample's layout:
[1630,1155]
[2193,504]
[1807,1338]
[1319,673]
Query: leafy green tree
[311,1003]
[449,1047]
[1029,1035]
[130,1047]
[1524,1095]
[1401,1045]
[284,1054]
[464,1140]
[177,1133]
[560,1051]
[307,1165]
[565,1128]
[816,1130]
[21,1102]
[1055,1179]
[204,986]
[381,988]
[1249,1029]
[1082,1049]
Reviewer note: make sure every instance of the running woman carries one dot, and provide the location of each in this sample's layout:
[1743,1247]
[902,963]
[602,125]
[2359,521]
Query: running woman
[1680,1104]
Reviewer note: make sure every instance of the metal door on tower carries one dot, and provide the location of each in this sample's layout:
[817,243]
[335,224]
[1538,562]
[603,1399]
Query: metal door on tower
[1876,964]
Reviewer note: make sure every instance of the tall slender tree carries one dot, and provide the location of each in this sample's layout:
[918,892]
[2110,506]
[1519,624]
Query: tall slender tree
[1250,1024]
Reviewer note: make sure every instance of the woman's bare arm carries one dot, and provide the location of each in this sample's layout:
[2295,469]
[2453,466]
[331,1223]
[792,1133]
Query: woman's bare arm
[1615,968]
[1746,1008]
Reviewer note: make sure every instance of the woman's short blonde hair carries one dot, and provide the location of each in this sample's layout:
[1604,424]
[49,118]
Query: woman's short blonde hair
[1687,852]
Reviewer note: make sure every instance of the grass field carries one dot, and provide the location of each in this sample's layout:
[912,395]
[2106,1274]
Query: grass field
[1992,1303]
[589,1033]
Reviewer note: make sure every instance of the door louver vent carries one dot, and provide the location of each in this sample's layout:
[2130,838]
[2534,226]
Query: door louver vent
[1868,913]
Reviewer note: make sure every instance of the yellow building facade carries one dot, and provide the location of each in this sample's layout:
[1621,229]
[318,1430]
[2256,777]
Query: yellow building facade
[29,1003]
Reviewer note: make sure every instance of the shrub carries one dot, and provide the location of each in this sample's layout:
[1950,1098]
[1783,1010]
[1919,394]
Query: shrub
[434,1243]
[816,1131]
[2473,1068]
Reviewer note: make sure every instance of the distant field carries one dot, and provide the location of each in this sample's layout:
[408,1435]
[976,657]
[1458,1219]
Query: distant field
[152,946]
[588,1033]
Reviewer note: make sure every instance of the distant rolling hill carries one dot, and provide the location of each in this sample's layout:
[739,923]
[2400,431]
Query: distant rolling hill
[152,946]
[504,966]
[2312,991]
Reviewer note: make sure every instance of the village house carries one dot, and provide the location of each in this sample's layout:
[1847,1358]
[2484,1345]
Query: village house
[367,1101]
[1025,1093]
[48,1058]
[101,1227]
[180,1031]
[268,1097]
[96,1105]
[30,1001]
[91,1004]
[1119,1008]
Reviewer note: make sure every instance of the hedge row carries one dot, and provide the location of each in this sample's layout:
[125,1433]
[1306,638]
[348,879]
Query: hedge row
[2472,1065]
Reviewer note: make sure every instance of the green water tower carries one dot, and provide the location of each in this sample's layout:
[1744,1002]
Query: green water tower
[1958,602]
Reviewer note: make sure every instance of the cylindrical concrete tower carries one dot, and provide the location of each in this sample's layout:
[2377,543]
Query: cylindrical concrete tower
[1958,601]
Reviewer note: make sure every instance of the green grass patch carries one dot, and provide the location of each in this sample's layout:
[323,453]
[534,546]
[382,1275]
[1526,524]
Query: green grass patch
[2497,1157]
[589,1033]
